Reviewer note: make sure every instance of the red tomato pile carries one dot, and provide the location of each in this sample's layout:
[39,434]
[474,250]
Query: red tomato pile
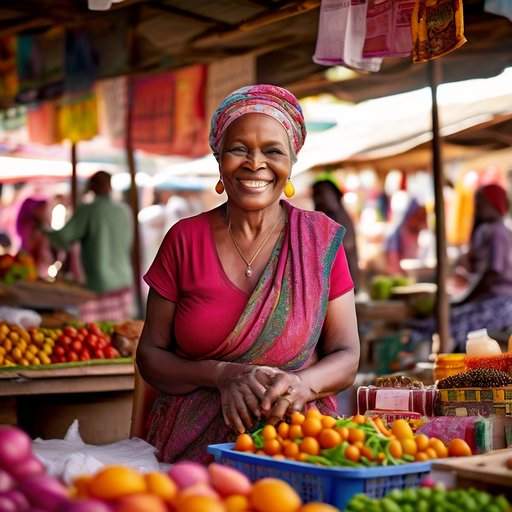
[83,344]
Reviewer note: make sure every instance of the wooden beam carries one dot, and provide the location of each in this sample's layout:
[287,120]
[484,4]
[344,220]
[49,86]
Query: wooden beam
[442,300]
[74,187]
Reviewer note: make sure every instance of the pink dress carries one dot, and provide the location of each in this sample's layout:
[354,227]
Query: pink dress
[188,272]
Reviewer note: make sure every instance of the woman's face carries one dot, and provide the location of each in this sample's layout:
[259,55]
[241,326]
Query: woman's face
[255,161]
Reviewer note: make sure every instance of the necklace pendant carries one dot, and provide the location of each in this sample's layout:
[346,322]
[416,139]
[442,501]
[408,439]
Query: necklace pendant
[248,272]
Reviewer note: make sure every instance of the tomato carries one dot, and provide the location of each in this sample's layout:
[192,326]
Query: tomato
[94,329]
[65,340]
[85,355]
[59,351]
[98,354]
[80,337]
[70,331]
[102,342]
[91,340]
[72,356]
[76,346]
[83,331]
[112,353]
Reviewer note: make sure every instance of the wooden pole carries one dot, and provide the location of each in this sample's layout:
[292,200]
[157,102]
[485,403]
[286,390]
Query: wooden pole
[134,198]
[74,186]
[442,301]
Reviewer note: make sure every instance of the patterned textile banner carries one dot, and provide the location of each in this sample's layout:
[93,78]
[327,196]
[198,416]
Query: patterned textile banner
[42,123]
[112,98]
[78,117]
[8,71]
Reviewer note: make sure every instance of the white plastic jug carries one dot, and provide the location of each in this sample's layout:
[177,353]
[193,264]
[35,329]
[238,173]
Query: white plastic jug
[479,344]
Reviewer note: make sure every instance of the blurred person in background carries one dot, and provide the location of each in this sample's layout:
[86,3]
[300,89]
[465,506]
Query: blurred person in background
[104,230]
[33,215]
[328,199]
[403,241]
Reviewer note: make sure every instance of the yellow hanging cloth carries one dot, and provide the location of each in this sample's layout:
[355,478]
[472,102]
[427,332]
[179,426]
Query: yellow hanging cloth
[78,118]
[437,28]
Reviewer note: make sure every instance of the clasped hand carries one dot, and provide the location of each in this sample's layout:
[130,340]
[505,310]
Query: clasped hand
[249,393]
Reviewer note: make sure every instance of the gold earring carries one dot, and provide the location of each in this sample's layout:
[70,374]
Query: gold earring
[219,187]
[289,189]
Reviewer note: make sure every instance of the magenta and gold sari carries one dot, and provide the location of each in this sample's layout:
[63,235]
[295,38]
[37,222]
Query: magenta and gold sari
[280,327]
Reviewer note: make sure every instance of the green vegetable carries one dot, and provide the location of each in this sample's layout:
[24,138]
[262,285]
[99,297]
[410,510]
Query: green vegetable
[388,505]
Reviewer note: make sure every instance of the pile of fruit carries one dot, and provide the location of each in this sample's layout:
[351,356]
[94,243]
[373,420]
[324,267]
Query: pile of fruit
[351,442]
[41,346]
[427,500]
[17,268]
[83,344]
[188,487]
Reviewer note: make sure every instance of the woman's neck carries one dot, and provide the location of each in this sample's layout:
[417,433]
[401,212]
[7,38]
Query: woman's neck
[250,224]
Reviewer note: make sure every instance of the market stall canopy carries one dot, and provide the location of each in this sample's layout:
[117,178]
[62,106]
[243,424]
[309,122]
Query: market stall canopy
[281,34]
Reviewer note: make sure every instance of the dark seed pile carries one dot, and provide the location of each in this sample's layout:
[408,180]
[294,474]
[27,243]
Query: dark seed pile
[478,378]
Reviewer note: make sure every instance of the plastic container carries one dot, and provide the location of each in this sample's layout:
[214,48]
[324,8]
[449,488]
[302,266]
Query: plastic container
[447,365]
[479,344]
[335,486]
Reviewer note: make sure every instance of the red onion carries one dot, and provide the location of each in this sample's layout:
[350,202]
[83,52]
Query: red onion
[85,506]
[6,482]
[30,466]
[43,491]
[7,505]
[15,446]
[19,500]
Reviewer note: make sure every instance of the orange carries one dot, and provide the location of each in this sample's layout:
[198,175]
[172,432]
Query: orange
[328,421]
[422,442]
[198,504]
[161,485]
[236,503]
[395,449]
[329,438]
[114,482]
[279,456]
[367,452]
[312,426]
[401,429]
[302,457]
[355,435]
[421,457]
[295,432]
[81,485]
[270,495]
[140,503]
[352,453]
[271,447]
[343,432]
[314,413]
[297,418]
[310,446]
[359,419]
[291,450]
[269,432]
[244,443]
[459,448]
[431,453]
[283,430]
[318,507]
[409,446]
[439,447]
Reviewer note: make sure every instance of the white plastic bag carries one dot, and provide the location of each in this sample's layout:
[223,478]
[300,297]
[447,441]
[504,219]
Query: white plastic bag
[70,457]
[23,317]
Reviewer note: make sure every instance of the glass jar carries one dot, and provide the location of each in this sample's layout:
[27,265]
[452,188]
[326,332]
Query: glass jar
[447,365]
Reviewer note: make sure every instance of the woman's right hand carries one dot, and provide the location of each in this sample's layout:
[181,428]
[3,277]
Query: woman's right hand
[241,390]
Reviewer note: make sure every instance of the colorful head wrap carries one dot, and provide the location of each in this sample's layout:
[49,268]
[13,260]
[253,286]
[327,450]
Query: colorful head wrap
[270,100]
[497,196]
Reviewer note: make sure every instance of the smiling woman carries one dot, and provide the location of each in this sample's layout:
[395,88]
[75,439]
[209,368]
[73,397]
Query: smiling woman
[251,310]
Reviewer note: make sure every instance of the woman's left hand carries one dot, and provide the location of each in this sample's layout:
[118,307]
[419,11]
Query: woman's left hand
[287,393]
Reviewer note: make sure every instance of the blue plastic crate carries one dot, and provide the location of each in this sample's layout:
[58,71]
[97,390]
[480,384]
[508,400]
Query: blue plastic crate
[335,486]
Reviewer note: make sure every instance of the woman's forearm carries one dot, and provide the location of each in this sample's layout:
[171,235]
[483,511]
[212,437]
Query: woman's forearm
[332,374]
[175,375]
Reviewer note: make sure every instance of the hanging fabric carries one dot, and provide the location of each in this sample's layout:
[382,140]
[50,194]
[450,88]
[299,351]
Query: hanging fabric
[112,102]
[8,71]
[42,123]
[437,28]
[153,117]
[81,62]
[191,127]
[341,35]
[388,28]
[499,7]
[78,117]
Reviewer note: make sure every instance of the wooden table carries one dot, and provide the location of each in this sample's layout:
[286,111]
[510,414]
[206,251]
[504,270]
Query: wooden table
[45,402]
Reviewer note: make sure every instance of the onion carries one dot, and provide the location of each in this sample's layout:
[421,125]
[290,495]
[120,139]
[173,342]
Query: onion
[6,482]
[30,466]
[85,506]
[187,473]
[15,446]
[43,491]
[19,500]
[7,505]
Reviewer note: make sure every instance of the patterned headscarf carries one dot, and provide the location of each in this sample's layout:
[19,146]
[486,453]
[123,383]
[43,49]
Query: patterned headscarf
[270,100]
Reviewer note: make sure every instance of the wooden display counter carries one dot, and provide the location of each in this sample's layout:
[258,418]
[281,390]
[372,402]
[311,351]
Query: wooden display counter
[45,402]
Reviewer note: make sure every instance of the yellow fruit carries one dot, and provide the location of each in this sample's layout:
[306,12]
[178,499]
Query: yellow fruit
[236,503]
[24,362]
[2,351]
[49,341]
[161,485]
[318,507]
[199,504]
[395,449]
[44,359]
[431,453]
[328,421]
[312,426]
[22,345]
[140,503]
[269,432]
[113,482]
[459,448]
[270,495]
[244,443]
[409,446]
[295,432]
[13,336]
[38,338]
[32,349]
[24,335]
[283,430]
[402,430]
[329,438]
[29,356]
[439,447]
[297,418]
[36,361]
[1,359]
[47,349]
[7,344]
[16,354]
[422,442]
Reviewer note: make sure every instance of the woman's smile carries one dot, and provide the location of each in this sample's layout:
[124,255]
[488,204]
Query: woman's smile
[254,185]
